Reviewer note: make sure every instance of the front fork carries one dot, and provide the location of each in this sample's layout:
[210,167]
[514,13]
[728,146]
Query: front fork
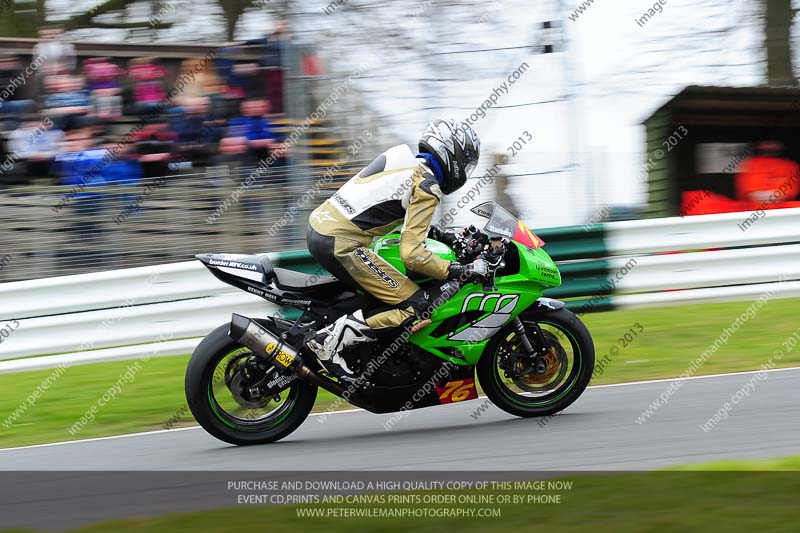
[534,344]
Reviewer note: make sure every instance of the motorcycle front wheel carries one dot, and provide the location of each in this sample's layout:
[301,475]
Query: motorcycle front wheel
[507,376]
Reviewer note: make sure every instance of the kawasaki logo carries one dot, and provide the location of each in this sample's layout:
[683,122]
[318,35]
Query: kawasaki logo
[499,308]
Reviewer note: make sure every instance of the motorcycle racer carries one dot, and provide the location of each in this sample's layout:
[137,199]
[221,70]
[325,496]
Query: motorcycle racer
[397,187]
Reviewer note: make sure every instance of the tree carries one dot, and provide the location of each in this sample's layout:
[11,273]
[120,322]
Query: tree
[778,19]
[16,19]
[88,18]
[23,18]
[233,10]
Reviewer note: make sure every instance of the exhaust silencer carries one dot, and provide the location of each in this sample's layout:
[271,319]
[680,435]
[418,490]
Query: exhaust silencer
[263,342]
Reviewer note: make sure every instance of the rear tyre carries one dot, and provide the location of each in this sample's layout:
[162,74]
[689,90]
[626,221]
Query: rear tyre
[570,362]
[209,378]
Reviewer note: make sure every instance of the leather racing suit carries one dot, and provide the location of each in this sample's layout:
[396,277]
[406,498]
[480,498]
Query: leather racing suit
[395,188]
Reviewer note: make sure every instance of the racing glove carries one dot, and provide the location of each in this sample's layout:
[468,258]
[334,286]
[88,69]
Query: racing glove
[438,234]
[479,267]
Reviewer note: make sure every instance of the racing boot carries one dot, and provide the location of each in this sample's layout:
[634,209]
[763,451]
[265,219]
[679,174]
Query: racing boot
[330,341]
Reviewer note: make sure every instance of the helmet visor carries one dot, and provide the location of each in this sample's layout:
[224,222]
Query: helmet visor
[470,167]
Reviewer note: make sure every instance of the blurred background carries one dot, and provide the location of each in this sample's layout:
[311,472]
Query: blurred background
[141,132]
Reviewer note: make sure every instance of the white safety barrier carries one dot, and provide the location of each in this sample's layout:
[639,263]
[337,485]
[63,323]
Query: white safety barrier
[167,309]
[707,258]
[716,268]
[116,315]
[702,232]
[107,290]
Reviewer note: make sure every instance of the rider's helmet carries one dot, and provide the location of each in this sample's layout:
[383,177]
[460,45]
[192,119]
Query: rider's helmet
[455,147]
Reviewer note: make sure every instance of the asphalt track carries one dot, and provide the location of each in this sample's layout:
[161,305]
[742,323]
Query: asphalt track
[599,432]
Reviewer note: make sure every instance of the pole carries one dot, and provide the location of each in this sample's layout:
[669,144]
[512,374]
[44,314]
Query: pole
[295,101]
[575,124]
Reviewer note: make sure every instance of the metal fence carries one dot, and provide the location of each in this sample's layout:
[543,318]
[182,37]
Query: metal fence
[164,220]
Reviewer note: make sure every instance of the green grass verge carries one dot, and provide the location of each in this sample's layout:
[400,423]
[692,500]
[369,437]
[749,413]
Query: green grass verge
[663,501]
[671,338]
[153,400]
[675,336]
[781,464]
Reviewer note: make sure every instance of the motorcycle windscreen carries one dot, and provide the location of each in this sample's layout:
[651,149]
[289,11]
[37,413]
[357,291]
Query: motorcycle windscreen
[501,223]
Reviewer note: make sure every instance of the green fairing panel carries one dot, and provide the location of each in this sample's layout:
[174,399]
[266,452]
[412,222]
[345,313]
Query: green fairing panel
[540,267]
[388,247]
[488,310]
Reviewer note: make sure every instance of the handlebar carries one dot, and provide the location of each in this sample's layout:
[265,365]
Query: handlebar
[472,243]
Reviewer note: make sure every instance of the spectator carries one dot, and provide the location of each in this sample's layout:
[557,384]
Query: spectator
[67,99]
[82,167]
[245,78]
[80,164]
[274,77]
[768,177]
[35,143]
[155,146]
[234,154]
[254,131]
[12,101]
[234,80]
[104,86]
[273,45]
[124,168]
[58,55]
[313,69]
[148,88]
[226,64]
[202,82]
[270,79]
[227,169]
[255,127]
[501,186]
[197,132]
[227,164]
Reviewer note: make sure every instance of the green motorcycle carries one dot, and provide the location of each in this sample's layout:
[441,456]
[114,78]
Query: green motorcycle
[251,381]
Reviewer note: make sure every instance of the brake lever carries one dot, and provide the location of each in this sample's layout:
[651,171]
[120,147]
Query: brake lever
[494,265]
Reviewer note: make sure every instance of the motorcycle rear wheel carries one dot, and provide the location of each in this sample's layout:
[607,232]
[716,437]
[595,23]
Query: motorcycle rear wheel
[221,415]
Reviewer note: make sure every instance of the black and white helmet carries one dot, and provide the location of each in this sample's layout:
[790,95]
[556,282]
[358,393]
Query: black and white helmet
[455,147]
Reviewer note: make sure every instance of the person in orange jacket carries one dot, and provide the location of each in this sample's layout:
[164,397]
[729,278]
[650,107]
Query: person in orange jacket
[768,177]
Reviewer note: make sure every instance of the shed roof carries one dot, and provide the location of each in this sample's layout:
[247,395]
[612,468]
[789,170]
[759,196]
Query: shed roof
[732,99]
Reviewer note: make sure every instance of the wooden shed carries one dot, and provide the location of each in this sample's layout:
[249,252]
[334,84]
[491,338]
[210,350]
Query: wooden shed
[697,139]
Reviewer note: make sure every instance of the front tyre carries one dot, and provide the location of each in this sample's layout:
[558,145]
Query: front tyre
[507,378]
[219,379]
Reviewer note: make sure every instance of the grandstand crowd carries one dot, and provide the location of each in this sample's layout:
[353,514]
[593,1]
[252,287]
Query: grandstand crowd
[61,115]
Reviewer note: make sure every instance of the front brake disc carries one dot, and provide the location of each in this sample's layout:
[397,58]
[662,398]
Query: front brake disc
[556,359]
